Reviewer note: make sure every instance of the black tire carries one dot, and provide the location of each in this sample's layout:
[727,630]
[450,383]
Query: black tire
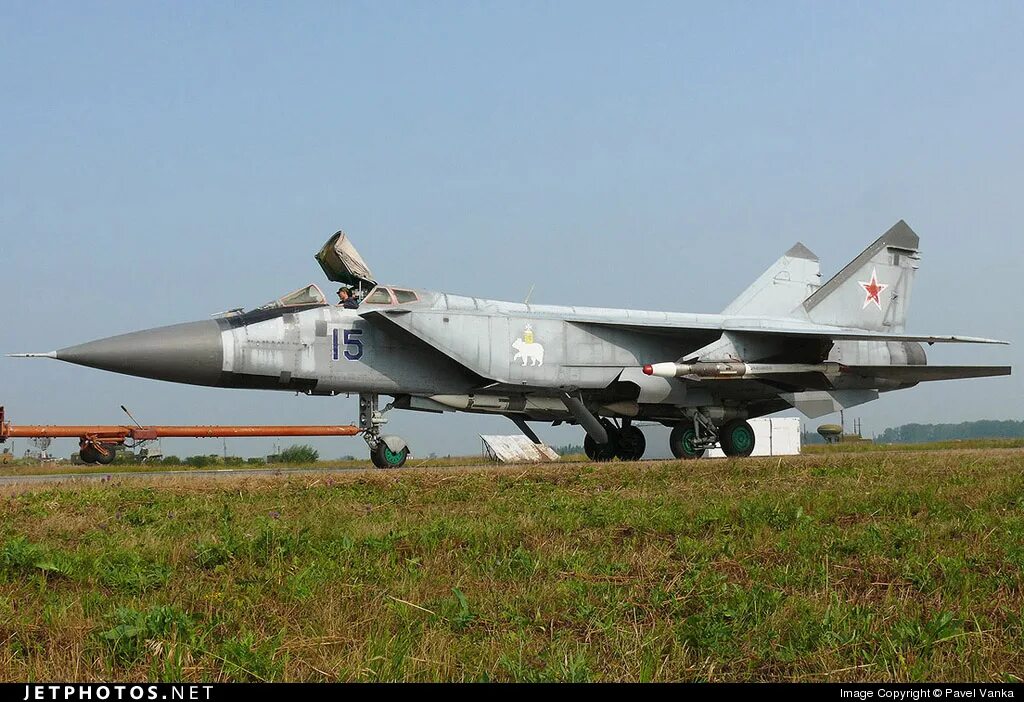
[600,452]
[87,454]
[631,444]
[384,457]
[105,459]
[680,441]
[737,439]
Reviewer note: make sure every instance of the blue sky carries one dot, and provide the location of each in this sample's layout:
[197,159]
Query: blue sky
[164,161]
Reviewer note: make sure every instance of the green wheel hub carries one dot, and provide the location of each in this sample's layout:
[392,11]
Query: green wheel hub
[682,441]
[688,437]
[383,457]
[737,439]
[742,438]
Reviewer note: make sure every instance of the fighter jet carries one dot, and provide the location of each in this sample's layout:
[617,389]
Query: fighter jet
[787,341]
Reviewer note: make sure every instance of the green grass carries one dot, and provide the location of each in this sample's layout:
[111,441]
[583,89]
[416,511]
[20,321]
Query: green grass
[27,467]
[852,447]
[881,566]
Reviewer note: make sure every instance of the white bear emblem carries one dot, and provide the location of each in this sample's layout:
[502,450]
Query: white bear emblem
[531,353]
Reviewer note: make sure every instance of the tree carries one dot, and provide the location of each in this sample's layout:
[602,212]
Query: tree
[299,453]
[924,433]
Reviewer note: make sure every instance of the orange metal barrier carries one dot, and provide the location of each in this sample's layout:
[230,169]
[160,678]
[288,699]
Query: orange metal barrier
[115,434]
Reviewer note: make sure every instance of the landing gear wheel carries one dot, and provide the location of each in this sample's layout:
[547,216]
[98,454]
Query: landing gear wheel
[87,454]
[588,447]
[682,441]
[737,438]
[384,457]
[601,452]
[632,444]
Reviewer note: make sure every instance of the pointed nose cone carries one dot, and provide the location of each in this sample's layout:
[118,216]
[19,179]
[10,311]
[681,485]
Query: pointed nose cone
[181,353]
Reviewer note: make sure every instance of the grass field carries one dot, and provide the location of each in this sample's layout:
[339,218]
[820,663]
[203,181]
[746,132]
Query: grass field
[835,566]
[26,467]
[959,444]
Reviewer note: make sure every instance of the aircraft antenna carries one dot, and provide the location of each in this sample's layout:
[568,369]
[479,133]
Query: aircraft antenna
[527,300]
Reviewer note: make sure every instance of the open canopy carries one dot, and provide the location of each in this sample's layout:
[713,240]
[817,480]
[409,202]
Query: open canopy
[343,264]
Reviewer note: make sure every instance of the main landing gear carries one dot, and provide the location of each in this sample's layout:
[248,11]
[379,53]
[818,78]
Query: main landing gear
[385,451]
[626,443]
[692,438]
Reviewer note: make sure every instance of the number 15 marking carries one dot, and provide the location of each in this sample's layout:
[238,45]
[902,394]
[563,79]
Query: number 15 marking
[350,339]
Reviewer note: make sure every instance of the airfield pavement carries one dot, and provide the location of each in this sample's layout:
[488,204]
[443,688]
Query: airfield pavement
[861,565]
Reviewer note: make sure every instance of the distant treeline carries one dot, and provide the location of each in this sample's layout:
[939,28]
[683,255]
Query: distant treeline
[924,433]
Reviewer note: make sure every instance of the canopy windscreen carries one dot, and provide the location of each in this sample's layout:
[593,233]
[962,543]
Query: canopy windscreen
[309,295]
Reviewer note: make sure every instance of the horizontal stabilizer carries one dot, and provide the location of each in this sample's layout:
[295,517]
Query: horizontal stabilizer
[818,403]
[917,374]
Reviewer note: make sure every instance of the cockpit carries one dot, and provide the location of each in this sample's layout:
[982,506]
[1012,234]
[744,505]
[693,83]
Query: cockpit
[381,295]
[313,296]
[343,264]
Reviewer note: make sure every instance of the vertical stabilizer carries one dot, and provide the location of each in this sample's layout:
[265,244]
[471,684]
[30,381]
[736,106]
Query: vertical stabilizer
[873,291]
[781,288]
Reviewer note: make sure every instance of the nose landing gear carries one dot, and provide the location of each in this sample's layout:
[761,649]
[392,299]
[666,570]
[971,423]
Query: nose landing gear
[383,456]
[385,451]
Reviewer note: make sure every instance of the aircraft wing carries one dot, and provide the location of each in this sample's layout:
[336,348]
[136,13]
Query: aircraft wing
[917,374]
[839,334]
[467,340]
[799,331]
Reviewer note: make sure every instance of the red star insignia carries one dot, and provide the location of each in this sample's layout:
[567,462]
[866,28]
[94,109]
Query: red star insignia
[873,289]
